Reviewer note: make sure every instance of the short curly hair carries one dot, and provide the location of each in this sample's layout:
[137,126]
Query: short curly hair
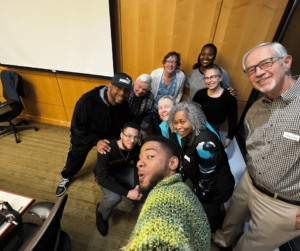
[194,114]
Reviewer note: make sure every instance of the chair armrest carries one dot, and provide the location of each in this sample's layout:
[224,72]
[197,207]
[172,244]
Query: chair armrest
[41,209]
[9,102]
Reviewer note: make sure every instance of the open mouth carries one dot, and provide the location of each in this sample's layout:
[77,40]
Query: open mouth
[141,176]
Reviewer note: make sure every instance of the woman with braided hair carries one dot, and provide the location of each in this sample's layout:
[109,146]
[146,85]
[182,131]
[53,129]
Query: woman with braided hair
[205,161]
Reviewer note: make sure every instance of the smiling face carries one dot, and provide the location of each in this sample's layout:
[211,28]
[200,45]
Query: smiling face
[170,64]
[140,88]
[164,108]
[207,56]
[213,82]
[182,124]
[152,166]
[117,95]
[129,138]
[269,81]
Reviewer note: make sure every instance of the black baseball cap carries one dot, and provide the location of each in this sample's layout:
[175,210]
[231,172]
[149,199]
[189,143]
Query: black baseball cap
[122,80]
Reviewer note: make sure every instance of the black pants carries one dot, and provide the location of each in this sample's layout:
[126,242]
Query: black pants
[75,159]
[215,214]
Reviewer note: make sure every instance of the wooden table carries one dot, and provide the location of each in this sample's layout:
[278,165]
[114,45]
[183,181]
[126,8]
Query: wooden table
[19,203]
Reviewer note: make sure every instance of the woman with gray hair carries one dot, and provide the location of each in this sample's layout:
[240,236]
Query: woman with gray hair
[205,161]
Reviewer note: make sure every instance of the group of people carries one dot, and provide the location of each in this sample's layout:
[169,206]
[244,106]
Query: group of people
[186,144]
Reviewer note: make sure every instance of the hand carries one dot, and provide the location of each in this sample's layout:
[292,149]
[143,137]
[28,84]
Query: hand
[233,92]
[143,134]
[134,194]
[103,146]
[226,143]
[297,225]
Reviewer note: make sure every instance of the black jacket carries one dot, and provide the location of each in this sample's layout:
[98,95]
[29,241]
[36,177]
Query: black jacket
[224,180]
[112,163]
[95,119]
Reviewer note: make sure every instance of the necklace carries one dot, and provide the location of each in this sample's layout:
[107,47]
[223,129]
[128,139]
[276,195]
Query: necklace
[122,153]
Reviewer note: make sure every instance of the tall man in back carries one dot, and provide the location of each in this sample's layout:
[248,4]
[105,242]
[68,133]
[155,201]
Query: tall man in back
[270,187]
[98,117]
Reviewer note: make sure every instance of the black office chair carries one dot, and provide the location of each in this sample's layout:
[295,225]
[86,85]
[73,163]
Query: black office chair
[47,237]
[12,89]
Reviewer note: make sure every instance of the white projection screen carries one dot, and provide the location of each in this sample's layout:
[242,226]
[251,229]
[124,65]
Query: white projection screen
[61,35]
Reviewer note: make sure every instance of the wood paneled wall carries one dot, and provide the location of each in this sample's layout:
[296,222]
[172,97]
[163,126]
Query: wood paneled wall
[151,29]
[145,31]
[52,96]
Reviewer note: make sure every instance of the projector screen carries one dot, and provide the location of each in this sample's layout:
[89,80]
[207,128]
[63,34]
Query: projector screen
[61,35]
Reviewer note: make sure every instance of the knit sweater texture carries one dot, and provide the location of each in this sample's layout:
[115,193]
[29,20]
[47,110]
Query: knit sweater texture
[172,218]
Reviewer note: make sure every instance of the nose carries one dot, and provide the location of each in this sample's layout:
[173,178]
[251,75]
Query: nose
[140,164]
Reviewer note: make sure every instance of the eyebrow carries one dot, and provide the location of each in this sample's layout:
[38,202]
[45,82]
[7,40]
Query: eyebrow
[150,149]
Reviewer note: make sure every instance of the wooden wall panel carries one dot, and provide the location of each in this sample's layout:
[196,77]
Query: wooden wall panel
[291,41]
[69,112]
[242,25]
[151,29]
[47,113]
[73,89]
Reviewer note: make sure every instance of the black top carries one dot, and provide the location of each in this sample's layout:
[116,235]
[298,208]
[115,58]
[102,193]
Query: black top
[217,109]
[95,119]
[111,163]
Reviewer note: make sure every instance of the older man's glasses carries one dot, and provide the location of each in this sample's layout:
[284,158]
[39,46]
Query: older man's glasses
[212,77]
[130,137]
[263,65]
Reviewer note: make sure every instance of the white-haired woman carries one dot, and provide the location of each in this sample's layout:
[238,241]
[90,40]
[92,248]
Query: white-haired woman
[141,103]
[168,80]
[205,161]
[165,105]
[217,103]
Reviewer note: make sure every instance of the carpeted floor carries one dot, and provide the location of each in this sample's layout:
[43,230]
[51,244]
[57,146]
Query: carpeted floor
[32,168]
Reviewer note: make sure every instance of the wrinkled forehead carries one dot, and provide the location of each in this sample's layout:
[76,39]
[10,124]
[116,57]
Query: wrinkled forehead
[165,101]
[258,55]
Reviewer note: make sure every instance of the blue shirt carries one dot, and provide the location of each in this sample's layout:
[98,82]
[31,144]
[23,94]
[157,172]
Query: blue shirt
[163,90]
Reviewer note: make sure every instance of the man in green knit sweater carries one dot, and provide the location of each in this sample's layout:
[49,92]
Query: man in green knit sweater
[172,217]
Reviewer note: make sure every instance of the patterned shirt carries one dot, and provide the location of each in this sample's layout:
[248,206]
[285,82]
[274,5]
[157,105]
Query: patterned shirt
[141,108]
[163,90]
[273,129]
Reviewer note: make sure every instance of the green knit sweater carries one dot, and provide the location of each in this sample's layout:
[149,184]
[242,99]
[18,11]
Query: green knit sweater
[172,218]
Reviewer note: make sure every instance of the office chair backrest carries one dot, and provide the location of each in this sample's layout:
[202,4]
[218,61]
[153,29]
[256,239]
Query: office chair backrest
[13,86]
[9,81]
[48,235]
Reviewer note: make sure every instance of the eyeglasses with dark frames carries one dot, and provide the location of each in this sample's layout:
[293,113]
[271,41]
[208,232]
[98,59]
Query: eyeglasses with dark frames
[211,77]
[135,138]
[263,65]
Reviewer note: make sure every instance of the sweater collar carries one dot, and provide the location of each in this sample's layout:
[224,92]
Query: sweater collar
[169,181]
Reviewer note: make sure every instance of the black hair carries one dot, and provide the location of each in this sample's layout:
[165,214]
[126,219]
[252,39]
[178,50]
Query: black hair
[198,64]
[131,125]
[170,147]
[173,53]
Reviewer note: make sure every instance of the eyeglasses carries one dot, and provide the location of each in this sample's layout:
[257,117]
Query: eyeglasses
[212,77]
[135,138]
[263,65]
[171,62]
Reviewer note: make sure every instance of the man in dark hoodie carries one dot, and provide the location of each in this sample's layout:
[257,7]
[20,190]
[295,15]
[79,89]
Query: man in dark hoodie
[98,117]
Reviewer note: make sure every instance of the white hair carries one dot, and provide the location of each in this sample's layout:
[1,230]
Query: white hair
[277,48]
[145,78]
[168,97]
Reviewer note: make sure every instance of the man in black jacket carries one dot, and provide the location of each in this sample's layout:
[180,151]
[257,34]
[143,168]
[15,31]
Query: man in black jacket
[98,117]
[116,174]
